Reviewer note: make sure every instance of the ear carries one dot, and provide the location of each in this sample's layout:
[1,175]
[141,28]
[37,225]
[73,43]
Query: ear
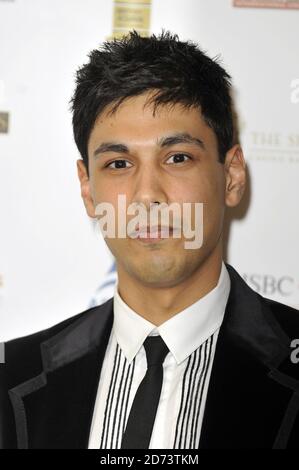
[85,188]
[235,175]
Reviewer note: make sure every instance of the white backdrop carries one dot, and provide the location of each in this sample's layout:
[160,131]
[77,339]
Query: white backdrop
[52,263]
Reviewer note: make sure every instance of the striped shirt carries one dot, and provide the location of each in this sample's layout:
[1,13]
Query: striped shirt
[191,336]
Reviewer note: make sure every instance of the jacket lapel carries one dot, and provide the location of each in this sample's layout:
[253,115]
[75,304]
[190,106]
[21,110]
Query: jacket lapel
[250,395]
[54,410]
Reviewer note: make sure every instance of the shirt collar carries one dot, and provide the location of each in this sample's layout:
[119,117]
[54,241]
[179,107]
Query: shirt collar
[183,333]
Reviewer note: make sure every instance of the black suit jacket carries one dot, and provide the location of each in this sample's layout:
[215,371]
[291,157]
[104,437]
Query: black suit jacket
[49,383]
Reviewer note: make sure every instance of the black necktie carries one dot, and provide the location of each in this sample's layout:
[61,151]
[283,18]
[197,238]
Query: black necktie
[144,408]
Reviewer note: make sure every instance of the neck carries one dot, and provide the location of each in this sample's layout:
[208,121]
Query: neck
[171,300]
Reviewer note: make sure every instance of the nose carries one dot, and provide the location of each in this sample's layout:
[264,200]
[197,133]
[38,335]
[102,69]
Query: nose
[149,187]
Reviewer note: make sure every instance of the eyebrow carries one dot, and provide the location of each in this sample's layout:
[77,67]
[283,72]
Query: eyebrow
[166,141]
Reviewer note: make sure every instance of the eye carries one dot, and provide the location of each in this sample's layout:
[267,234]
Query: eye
[178,157]
[119,164]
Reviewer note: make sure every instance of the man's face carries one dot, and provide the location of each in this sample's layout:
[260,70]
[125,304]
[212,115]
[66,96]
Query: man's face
[148,171]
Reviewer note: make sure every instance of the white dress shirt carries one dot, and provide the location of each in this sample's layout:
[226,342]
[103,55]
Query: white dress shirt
[191,337]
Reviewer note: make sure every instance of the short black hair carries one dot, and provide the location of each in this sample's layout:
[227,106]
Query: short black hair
[180,72]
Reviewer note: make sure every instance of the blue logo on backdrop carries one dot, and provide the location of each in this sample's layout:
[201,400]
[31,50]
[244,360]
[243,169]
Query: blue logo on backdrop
[106,289]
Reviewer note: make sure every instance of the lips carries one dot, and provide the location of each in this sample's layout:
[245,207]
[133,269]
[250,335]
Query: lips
[149,232]
[154,232]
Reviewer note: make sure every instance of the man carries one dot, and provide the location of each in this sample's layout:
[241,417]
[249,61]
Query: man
[184,355]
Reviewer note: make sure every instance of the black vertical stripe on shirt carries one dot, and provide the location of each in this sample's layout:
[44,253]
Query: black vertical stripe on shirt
[209,355]
[190,403]
[107,416]
[184,424]
[117,401]
[117,404]
[192,388]
[124,400]
[197,395]
[128,395]
[182,402]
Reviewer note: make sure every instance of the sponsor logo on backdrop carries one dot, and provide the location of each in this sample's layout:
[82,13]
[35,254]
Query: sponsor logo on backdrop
[269,285]
[272,146]
[4,122]
[106,289]
[291,4]
[129,15]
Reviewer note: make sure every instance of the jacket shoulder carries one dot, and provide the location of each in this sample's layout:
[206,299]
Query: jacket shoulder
[278,315]
[23,355]
[23,344]
[286,316]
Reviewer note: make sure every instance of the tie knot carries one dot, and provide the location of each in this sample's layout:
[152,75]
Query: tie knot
[156,350]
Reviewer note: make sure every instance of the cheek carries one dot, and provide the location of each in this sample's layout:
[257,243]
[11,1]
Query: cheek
[213,211]
[209,190]
[105,192]
[212,186]
[204,188]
